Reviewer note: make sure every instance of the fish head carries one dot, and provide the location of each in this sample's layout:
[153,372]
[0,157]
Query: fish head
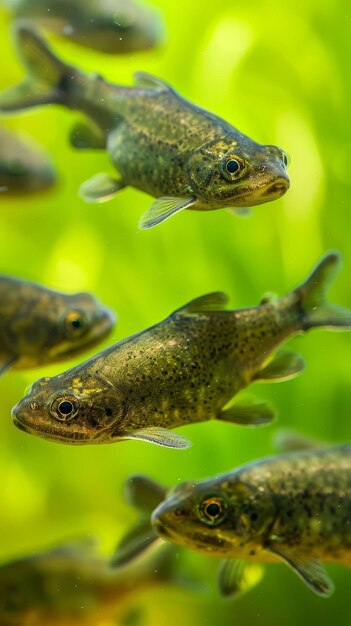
[215,516]
[57,326]
[77,407]
[232,172]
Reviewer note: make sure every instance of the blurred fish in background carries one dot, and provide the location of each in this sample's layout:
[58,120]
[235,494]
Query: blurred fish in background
[25,167]
[110,26]
[40,326]
[73,584]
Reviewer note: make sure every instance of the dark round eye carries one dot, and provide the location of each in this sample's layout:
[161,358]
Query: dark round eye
[213,510]
[232,166]
[64,409]
[75,324]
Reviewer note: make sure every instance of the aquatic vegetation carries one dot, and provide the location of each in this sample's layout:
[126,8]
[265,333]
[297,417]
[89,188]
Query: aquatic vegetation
[294,508]
[24,166]
[183,370]
[40,326]
[159,142]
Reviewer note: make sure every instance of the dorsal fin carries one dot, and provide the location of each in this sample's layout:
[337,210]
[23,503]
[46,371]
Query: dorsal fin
[144,79]
[215,301]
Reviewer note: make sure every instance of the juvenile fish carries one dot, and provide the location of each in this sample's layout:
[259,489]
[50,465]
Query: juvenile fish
[73,585]
[40,326]
[159,142]
[24,166]
[110,26]
[294,508]
[184,369]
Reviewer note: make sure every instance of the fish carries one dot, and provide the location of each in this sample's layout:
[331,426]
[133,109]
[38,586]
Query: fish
[160,143]
[24,166]
[109,26]
[184,369]
[39,326]
[73,584]
[293,508]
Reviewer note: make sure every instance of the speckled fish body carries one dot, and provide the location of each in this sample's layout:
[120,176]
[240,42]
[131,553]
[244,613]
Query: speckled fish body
[72,585]
[159,142]
[40,326]
[294,507]
[110,26]
[183,370]
[24,166]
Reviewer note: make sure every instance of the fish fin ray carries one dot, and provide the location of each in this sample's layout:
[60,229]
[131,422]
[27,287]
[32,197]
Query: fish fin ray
[241,211]
[310,570]
[211,302]
[143,493]
[248,412]
[86,136]
[284,366]
[237,576]
[45,74]
[162,209]
[144,79]
[311,295]
[100,188]
[160,437]
[135,542]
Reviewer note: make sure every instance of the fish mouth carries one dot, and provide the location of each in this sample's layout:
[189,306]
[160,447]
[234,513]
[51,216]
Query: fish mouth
[264,193]
[33,430]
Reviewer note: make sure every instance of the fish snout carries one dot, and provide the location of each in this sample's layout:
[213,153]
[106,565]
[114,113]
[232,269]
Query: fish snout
[279,187]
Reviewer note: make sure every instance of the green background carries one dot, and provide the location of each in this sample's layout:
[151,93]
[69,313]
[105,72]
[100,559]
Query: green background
[280,72]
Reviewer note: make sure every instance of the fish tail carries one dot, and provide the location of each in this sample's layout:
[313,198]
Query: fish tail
[312,297]
[48,77]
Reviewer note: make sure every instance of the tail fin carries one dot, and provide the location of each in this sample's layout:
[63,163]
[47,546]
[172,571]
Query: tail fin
[45,83]
[145,495]
[311,295]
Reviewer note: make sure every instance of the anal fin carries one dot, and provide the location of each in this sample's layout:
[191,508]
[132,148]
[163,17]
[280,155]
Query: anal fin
[248,413]
[87,137]
[284,366]
[100,188]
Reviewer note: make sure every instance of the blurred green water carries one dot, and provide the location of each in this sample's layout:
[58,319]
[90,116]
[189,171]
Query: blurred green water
[280,73]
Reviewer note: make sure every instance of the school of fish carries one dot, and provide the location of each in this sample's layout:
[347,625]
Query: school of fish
[292,508]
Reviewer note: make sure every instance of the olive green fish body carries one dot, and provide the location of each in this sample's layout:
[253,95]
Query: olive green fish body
[294,508]
[159,142]
[40,326]
[110,26]
[183,370]
[24,167]
[71,585]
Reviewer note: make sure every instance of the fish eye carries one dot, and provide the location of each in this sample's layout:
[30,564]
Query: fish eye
[233,167]
[75,324]
[64,409]
[285,158]
[213,510]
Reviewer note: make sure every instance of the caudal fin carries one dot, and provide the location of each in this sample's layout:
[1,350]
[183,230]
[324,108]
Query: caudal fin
[47,78]
[312,297]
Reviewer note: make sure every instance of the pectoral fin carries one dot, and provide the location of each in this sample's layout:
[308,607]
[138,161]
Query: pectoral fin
[136,541]
[237,576]
[284,366]
[242,211]
[248,413]
[87,137]
[100,188]
[6,361]
[310,570]
[160,437]
[162,209]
